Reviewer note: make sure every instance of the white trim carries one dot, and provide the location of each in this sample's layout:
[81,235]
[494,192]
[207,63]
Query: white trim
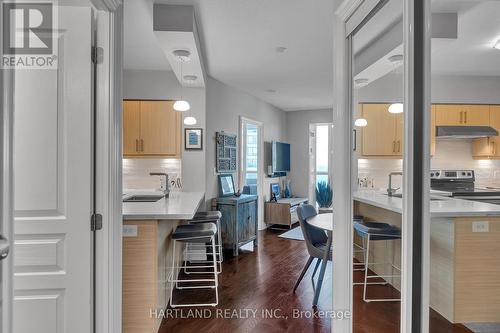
[7,195]
[107,5]
[347,8]
[342,121]
[109,173]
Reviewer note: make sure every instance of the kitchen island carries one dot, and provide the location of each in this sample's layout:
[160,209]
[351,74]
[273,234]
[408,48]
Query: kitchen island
[464,265]
[147,229]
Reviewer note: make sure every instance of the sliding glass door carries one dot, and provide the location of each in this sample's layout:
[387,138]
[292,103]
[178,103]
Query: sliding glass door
[381,160]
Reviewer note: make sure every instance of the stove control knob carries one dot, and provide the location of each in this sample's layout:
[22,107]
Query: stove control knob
[469,174]
[437,174]
[432,174]
[463,173]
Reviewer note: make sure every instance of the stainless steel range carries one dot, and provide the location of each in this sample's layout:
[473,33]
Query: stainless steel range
[461,185]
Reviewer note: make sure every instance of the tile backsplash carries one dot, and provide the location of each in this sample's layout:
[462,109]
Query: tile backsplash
[136,172]
[450,154]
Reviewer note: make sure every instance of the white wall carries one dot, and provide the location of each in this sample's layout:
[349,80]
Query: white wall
[297,123]
[163,85]
[445,89]
[225,105]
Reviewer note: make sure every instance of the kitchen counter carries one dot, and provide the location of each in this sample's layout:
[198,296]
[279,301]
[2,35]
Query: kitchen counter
[440,206]
[178,206]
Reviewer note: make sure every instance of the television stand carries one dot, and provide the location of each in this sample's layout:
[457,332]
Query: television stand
[283,212]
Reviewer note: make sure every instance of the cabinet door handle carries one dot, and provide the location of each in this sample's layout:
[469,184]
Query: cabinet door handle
[142,145]
[493,148]
[461,117]
[399,146]
[393,146]
[465,117]
[137,145]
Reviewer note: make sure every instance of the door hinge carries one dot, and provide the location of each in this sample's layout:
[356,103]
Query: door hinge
[97,54]
[96,222]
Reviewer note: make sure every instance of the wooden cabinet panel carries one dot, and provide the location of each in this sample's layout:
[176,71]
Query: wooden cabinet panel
[462,115]
[151,128]
[379,135]
[131,127]
[476,115]
[433,130]
[398,139]
[160,128]
[488,147]
[449,115]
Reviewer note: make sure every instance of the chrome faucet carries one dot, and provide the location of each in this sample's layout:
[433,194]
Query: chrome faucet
[390,190]
[166,191]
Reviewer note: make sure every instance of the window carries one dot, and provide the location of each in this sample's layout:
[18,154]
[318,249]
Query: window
[322,153]
[251,153]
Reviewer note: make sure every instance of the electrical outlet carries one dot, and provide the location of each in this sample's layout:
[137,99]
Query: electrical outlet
[129,230]
[480,226]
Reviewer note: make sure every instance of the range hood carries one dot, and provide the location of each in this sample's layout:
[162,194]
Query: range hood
[465,132]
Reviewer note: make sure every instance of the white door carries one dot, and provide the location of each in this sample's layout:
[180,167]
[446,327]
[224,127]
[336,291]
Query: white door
[53,185]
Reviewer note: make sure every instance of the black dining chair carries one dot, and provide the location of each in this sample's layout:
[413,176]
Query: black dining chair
[315,238]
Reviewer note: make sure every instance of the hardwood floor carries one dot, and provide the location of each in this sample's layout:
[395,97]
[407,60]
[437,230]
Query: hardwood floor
[263,280]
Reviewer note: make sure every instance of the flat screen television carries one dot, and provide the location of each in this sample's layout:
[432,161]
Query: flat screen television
[281,156]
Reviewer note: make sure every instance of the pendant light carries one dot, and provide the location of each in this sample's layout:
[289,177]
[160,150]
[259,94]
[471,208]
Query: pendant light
[189,120]
[360,122]
[396,108]
[182,56]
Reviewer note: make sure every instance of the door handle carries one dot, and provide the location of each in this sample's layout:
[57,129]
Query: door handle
[461,117]
[4,247]
[142,145]
[137,145]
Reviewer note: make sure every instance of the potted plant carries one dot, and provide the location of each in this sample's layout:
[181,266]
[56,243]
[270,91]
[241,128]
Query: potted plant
[324,194]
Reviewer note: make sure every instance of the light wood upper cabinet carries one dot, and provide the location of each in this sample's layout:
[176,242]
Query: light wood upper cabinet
[462,115]
[131,127]
[381,134]
[151,128]
[433,130]
[489,147]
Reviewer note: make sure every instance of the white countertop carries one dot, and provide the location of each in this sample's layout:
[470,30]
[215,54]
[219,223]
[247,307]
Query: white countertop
[178,206]
[442,207]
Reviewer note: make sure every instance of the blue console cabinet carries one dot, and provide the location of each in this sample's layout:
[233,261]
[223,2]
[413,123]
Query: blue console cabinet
[239,220]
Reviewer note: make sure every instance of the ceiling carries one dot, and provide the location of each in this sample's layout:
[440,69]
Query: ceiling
[240,37]
[472,53]
[141,47]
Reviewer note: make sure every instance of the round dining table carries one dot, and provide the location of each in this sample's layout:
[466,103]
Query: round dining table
[323,222]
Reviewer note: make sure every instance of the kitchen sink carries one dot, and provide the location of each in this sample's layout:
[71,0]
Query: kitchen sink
[143,198]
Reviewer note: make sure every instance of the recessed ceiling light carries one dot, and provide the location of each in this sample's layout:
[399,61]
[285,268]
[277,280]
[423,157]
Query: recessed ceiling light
[190,78]
[396,58]
[281,49]
[182,55]
[361,82]
[396,108]
[497,45]
[271,91]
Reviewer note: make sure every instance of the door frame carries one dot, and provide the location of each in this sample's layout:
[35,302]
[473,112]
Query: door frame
[416,217]
[108,256]
[260,168]
[7,193]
